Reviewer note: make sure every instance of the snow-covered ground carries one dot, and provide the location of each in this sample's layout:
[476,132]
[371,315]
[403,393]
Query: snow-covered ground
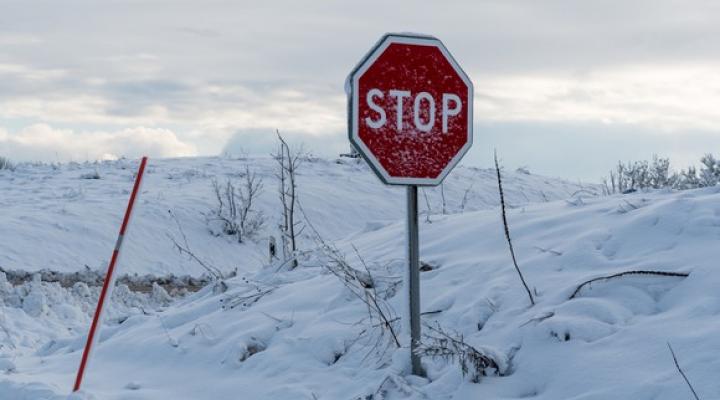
[302,334]
[53,218]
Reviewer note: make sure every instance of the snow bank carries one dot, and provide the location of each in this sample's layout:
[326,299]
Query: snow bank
[302,334]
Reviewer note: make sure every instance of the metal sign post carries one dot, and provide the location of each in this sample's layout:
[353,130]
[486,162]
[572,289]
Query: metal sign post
[410,117]
[413,239]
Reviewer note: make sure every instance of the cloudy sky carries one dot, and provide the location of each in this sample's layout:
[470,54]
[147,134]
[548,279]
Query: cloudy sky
[564,87]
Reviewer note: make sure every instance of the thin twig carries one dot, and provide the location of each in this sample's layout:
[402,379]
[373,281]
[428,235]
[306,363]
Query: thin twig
[362,288]
[214,271]
[637,272]
[507,231]
[692,389]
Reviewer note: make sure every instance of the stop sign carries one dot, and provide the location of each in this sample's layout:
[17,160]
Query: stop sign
[410,110]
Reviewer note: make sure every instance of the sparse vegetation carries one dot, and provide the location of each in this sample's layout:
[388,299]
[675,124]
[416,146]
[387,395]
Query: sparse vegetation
[234,210]
[6,164]
[473,362]
[91,175]
[656,174]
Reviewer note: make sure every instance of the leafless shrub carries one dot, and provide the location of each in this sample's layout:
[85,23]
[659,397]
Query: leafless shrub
[507,231]
[451,347]
[6,164]
[364,286]
[251,220]
[246,298]
[184,248]
[235,207]
[91,175]
[371,290]
[288,161]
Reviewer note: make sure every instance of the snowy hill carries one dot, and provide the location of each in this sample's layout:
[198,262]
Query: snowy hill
[304,334]
[74,220]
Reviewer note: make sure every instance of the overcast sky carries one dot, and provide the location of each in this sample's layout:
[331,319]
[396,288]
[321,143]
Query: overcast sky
[564,87]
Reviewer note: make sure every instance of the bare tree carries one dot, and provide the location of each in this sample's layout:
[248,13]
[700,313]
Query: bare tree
[288,161]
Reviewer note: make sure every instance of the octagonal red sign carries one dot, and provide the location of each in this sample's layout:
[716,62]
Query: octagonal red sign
[410,110]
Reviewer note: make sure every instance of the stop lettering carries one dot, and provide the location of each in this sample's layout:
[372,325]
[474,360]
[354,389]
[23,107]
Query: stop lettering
[451,105]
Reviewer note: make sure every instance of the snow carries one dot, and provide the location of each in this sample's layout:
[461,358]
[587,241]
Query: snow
[302,334]
[75,221]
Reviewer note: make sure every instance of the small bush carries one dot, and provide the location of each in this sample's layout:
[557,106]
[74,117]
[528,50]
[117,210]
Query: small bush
[6,164]
[235,212]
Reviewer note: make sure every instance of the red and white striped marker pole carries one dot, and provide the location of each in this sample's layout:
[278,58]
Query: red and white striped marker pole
[109,282]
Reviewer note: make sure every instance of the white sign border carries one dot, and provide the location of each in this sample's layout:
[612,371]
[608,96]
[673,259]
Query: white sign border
[353,106]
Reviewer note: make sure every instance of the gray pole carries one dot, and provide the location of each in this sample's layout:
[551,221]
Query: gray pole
[414,274]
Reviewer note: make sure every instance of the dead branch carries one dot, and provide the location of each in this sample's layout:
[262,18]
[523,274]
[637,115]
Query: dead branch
[637,272]
[184,248]
[677,365]
[245,300]
[362,285]
[551,251]
[507,231]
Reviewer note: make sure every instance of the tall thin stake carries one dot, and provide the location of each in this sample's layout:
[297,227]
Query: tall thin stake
[507,230]
[109,282]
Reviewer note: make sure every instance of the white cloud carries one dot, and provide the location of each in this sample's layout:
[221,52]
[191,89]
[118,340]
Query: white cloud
[28,73]
[18,40]
[213,69]
[667,98]
[43,142]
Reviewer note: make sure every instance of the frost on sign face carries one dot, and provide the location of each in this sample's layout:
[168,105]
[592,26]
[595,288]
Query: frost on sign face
[411,110]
